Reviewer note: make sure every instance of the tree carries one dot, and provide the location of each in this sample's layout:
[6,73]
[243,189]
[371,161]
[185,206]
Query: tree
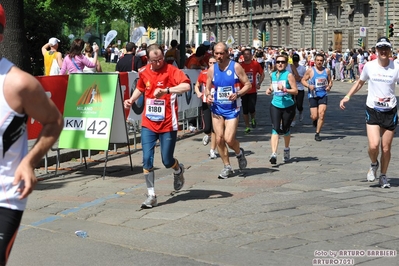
[13,46]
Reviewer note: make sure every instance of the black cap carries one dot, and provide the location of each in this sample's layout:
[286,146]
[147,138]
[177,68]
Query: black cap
[383,42]
[295,57]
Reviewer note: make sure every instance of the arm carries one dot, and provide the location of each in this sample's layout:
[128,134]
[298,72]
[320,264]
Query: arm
[305,79]
[45,48]
[208,85]
[243,79]
[25,95]
[128,103]
[59,59]
[261,78]
[98,67]
[355,88]
[295,73]
[196,88]
[292,82]
[64,65]
[330,81]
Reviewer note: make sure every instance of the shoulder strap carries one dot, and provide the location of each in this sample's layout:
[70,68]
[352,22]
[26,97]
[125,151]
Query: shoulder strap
[133,57]
[77,67]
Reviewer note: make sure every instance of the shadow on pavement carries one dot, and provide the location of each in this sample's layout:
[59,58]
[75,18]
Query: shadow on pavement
[196,194]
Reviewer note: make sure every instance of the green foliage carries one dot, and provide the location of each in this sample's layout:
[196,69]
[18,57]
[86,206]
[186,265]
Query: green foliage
[91,19]
[157,13]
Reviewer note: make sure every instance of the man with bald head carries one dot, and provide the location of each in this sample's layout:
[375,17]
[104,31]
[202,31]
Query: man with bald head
[223,92]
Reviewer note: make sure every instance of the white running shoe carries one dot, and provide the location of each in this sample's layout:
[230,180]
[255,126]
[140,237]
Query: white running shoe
[371,174]
[384,182]
[293,123]
[206,139]
[212,154]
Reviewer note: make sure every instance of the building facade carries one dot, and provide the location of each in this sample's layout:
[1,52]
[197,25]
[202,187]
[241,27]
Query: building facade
[336,24]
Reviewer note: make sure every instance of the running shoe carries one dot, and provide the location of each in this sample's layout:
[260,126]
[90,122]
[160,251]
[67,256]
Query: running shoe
[212,154]
[273,158]
[286,156]
[226,172]
[242,161]
[253,123]
[317,137]
[206,139]
[372,173]
[384,182]
[293,123]
[300,116]
[247,130]
[179,178]
[150,202]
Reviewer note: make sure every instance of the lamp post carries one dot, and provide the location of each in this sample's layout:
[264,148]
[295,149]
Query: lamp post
[387,20]
[312,25]
[200,21]
[250,26]
[218,3]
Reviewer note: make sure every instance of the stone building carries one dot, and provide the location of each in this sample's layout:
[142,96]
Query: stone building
[288,23]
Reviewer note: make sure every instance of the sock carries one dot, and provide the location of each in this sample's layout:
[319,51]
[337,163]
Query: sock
[151,191]
[176,172]
[287,148]
[374,164]
[238,155]
[227,166]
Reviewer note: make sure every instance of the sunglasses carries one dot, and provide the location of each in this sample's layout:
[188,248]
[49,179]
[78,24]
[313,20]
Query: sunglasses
[211,63]
[280,62]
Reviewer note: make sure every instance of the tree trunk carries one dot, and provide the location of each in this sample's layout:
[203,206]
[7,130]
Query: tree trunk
[13,46]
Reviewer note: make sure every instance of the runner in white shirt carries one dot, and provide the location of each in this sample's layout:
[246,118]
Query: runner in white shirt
[381,110]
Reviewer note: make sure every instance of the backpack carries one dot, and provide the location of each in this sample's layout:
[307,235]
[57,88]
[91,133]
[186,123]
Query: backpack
[55,68]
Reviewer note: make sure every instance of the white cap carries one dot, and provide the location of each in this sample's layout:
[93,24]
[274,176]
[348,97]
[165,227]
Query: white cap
[53,41]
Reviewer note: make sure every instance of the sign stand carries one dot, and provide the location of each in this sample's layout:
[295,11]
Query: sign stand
[117,124]
[94,115]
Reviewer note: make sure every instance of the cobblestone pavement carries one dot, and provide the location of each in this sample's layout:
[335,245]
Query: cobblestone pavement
[313,208]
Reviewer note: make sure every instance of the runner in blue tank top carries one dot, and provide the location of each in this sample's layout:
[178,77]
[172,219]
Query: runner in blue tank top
[318,81]
[223,93]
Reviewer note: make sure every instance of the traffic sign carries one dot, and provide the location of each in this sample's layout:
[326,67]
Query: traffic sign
[363,32]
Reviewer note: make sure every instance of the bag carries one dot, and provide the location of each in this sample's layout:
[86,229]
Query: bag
[55,68]
[348,66]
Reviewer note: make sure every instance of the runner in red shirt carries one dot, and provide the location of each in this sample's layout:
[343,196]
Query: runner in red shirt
[256,76]
[160,82]
[206,111]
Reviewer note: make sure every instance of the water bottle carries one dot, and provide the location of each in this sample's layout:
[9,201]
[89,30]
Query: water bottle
[81,234]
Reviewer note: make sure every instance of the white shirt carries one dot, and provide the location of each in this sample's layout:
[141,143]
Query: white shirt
[381,86]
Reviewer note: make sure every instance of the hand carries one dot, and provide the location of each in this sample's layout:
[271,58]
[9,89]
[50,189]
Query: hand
[233,96]
[328,88]
[95,48]
[158,93]
[25,179]
[199,94]
[209,99]
[342,103]
[269,91]
[127,103]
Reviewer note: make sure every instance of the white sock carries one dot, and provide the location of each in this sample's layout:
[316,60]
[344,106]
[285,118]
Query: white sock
[238,155]
[177,171]
[151,191]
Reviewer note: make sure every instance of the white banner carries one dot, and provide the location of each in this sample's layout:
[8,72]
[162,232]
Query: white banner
[110,36]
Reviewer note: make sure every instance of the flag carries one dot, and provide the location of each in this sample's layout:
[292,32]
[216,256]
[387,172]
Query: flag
[110,36]
[212,38]
[137,34]
[230,41]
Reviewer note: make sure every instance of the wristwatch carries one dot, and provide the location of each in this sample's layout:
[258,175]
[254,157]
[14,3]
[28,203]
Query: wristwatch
[167,90]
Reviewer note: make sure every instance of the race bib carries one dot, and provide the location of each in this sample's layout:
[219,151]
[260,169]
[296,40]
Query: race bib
[250,77]
[276,85]
[223,94]
[320,84]
[383,104]
[155,109]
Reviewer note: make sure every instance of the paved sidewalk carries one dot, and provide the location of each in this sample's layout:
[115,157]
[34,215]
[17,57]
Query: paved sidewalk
[295,213]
